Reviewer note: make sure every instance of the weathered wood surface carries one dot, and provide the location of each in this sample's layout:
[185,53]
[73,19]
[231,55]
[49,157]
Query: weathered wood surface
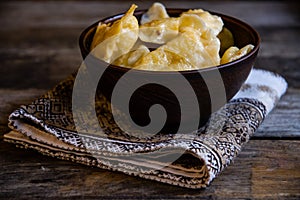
[39,48]
[264,169]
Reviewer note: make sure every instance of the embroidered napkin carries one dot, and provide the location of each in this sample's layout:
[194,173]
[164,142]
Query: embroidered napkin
[188,160]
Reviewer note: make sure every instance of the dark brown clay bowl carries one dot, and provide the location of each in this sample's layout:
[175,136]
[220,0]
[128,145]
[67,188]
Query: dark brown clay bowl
[203,81]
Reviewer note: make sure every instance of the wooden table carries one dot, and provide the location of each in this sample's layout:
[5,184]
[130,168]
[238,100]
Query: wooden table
[39,48]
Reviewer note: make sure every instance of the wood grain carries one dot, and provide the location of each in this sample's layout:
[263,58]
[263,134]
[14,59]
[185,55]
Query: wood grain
[264,169]
[39,48]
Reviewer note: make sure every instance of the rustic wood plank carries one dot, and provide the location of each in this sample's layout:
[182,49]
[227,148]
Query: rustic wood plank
[264,169]
[31,69]
[11,100]
[39,48]
[66,13]
[288,68]
[283,121]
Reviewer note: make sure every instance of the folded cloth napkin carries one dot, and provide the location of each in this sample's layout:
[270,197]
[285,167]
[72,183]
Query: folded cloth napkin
[188,160]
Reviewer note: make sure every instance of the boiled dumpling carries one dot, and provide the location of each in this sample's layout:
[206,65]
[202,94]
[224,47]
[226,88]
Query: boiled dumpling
[234,53]
[159,31]
[212,21]
[129,59]
[113,41]
[155,12]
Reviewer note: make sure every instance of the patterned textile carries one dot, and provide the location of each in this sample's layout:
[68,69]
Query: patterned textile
[189,160]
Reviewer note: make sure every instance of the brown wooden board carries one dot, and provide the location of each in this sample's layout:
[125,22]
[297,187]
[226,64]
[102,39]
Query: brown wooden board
[39,48]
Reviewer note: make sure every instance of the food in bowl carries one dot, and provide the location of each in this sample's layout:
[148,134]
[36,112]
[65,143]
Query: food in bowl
[231,74]
[195,39]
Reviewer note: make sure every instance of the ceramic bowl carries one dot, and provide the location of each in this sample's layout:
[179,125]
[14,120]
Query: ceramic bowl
[232,74]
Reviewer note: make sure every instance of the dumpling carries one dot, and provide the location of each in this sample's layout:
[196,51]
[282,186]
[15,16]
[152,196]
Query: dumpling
[212,21]
[194,47]
[129,59]
[201,49]
[159,31]
[226,39]
[113,41]
[234,53]
[155,12]
[162,60]
[189,50]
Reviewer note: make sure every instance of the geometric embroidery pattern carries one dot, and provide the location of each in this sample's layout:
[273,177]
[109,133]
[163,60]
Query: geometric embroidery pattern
[207,151]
